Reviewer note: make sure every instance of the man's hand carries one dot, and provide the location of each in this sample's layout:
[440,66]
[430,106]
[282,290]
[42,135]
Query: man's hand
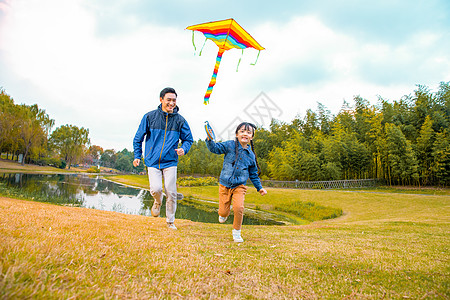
[262,192]
[136,162]
[180,151]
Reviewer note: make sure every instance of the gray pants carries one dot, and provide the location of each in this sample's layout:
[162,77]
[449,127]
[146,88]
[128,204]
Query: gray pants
[170,185]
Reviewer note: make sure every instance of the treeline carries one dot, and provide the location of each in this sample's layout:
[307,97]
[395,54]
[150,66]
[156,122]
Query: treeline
[26,132]
[406,142]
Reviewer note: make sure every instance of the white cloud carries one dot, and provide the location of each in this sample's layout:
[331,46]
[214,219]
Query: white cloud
[107,83]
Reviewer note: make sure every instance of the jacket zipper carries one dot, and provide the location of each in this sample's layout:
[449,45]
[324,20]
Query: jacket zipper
[164,141]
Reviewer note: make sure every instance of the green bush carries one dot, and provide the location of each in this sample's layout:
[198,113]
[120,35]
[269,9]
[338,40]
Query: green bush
[50,161]
[310,211]
[93,169]
[200,181]
[62,164]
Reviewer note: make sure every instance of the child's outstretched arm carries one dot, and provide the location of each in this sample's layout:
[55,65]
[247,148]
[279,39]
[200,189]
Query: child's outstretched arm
[217,148]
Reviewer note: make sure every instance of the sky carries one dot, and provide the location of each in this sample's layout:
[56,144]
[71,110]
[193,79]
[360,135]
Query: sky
[100,64]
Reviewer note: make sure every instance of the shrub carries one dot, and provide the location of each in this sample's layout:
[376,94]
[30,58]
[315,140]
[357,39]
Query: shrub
[310,211]
[93,169]
[200,181]
[62,164]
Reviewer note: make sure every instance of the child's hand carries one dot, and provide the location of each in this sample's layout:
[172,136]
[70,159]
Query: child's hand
[262,192]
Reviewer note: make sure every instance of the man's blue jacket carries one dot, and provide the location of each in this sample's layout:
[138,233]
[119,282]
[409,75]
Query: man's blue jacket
[162,132]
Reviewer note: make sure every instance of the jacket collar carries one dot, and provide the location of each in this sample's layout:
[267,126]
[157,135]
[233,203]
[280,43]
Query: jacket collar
[175,110]
[249,147]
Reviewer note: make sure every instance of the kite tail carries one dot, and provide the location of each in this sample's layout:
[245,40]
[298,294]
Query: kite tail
[214,75]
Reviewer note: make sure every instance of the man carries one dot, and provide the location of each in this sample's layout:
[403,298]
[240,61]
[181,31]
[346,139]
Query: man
[163,129]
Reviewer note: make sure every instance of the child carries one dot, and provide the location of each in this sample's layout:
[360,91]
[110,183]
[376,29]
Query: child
[239,164]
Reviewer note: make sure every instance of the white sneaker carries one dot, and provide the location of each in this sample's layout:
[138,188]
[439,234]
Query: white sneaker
[222,219]
[156,208]
[237,236]
[171,226]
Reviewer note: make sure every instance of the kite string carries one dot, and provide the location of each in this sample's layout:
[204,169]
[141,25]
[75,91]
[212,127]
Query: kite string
[239,62]
[256,58]
[193,43]
[200,54]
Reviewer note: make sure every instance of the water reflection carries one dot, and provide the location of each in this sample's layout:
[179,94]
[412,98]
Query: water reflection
[95,192]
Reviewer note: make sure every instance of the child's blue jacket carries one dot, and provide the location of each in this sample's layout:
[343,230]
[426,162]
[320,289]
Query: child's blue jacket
[234,174]
[162,132]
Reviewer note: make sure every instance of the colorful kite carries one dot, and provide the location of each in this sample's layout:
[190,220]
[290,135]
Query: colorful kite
[227,34]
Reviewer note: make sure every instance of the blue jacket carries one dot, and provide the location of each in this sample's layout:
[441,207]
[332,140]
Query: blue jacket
[162,132]
[234,174]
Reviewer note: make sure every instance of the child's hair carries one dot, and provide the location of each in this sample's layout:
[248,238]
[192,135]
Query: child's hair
[246,126]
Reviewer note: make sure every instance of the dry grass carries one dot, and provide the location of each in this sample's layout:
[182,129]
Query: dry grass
[387,245]
[54,252]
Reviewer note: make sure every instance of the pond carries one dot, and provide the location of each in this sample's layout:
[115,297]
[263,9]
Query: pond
[98,193]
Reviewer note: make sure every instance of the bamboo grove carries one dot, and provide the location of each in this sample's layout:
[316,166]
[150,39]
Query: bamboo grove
[405,142]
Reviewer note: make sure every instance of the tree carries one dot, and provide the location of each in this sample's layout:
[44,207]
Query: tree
[324,118]
[363,113]
[441,158]
[424,147]
[310,167]
[68,141]
[402,163]
[310,124]
[6,121]
[92,155]
[123,163]
[345,151]
[34,124]
[108,158]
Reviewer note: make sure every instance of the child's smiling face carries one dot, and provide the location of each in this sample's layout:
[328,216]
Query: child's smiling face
[244,135]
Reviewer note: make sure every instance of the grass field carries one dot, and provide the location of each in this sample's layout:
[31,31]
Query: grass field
[386,246]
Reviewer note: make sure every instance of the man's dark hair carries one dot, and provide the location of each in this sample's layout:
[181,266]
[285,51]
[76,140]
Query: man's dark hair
[167,90]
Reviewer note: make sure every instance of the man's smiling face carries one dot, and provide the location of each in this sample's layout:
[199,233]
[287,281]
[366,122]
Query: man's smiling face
[169,102]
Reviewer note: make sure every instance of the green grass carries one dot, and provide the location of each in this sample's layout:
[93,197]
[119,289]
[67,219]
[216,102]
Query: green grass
[409,190]
[197,181]
[385,246]
[310,211]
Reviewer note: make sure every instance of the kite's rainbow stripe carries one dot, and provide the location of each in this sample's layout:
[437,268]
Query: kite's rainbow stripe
[227,34]
[214,76]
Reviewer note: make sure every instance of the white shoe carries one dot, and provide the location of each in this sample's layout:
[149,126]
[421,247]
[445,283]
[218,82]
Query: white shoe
[171,226]
[237,236]
[156,208]
[222,219]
